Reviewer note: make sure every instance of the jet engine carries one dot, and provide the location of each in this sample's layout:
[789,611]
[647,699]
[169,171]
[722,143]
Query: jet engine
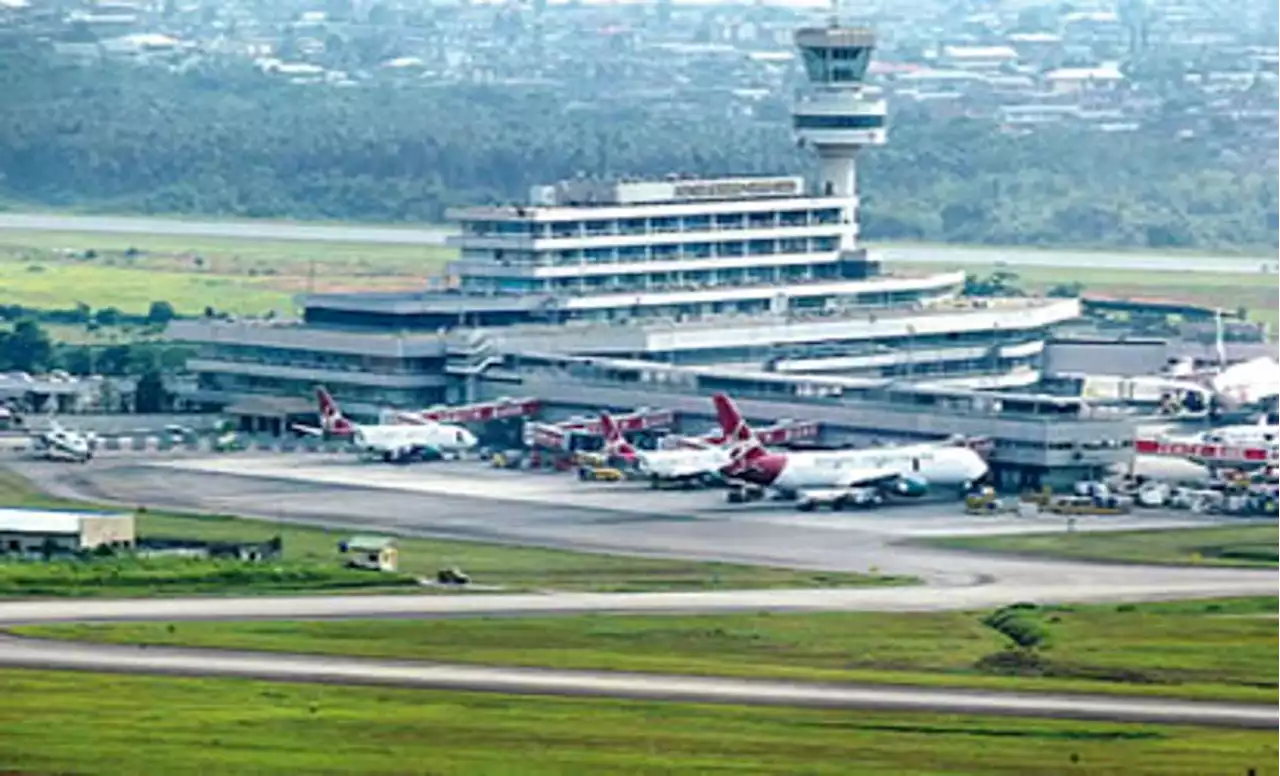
[909,486]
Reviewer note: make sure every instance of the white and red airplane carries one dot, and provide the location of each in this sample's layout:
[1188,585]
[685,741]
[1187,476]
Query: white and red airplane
[391,443]
[698,461]
[841,478]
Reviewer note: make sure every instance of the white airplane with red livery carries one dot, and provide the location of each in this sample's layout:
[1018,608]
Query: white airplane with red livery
[699,462]
[391,443]
[839,479]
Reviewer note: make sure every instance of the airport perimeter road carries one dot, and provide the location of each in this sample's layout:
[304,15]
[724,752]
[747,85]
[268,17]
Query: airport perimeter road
[531,681]
[1113,260]
[389,235]
[248,230]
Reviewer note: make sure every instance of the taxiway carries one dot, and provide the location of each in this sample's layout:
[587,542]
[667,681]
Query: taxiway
[463,500]
[530,681]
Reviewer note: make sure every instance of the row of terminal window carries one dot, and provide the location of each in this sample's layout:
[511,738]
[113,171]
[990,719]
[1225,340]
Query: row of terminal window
[664,252]
[653,225]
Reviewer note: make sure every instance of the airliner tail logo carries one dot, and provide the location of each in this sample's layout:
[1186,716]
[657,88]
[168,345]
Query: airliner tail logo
[331,419]
[614,442]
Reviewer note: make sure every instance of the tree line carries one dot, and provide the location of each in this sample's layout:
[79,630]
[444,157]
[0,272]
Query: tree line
[27,347]
[222,139]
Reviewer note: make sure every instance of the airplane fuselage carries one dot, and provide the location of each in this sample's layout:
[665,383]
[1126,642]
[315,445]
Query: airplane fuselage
[682,464]
[397,442]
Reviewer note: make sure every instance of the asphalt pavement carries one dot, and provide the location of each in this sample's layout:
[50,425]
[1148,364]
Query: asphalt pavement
[16,652]
[952,581]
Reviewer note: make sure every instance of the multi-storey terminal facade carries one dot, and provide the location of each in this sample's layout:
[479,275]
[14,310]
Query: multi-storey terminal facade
[761,280]
[679,249]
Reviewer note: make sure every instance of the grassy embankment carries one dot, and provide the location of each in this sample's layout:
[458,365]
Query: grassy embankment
[1250,545]
[93,723]
[312,564]
[1204,649]
[55,270]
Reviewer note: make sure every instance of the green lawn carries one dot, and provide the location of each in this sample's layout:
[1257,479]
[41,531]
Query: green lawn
[1228,290]
[87,723]
[512,568]
[1247,545]
[1214,649]
[55,270]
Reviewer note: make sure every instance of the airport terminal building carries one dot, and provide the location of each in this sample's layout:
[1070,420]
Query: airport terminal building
[759,285]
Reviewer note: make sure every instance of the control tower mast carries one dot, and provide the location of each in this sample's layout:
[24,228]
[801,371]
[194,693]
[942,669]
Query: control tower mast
[838,113]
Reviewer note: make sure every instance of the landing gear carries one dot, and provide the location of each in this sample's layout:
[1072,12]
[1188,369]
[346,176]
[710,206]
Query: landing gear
[741,495]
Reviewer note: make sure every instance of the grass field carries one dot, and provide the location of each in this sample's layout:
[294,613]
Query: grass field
[105,724]
[512,568]
[1250,545]
[1213,649]
[1226,290]
[51,270]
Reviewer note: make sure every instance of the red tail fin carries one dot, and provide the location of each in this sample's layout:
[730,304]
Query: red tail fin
[744,446]
[732,423]
[331,419]
[614,442]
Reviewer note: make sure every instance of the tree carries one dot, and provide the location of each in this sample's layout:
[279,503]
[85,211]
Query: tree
[107,316]
[150,394]
[26,348]
[160,313]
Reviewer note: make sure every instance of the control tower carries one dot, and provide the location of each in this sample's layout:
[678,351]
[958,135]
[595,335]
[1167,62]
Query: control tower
[838,113]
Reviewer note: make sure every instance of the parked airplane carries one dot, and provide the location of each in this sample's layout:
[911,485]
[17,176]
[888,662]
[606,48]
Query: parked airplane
[842,478]
[59,443]
[698,462]
[1264,432]
[391,443]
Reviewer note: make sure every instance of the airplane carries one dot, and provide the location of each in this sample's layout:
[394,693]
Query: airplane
[698,462]
[842,478]
[1264,432]
[59,443]
[1248,384]
[391,443]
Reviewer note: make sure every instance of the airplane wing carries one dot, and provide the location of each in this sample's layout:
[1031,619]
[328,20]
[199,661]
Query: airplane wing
[308,430]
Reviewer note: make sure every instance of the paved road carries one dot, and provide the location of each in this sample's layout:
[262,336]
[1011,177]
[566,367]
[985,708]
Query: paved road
[696,526]
[264,230]
[530,681]
[355,233]
[955,581]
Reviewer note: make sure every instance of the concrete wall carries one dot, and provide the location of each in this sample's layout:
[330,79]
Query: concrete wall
[33,544]
[1104,357]
[112,529]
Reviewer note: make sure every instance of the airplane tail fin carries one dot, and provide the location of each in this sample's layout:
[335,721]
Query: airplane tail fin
[614,442]
[734,426]
[743,443]
[331,418]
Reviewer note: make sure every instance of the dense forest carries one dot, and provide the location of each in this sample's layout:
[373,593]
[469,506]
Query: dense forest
[226,140]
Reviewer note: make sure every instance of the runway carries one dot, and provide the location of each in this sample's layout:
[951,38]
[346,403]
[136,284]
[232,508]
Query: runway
[449,500]
[396,235]
[529,681]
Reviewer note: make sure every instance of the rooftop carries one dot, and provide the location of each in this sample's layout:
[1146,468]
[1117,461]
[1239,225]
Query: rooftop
[674,189]
[52,521]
